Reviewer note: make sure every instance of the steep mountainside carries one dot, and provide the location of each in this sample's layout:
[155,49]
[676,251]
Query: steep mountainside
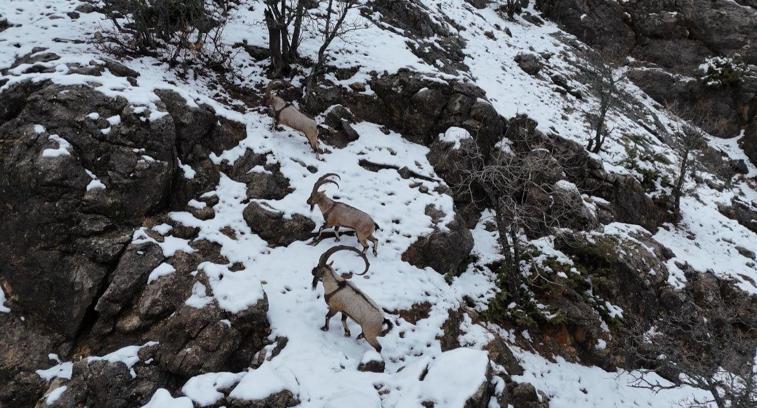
[155,234]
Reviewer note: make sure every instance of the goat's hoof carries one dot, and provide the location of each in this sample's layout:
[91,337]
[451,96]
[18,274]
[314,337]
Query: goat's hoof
[325,328]
[347,334]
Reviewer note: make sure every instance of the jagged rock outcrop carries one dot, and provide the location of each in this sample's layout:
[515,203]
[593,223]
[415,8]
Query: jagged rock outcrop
[446,249]
[103,383]
[199,132]
[129,277]
[74,192]
[281,399]
[263,180]
[198,340]
[630,269]
[275,227]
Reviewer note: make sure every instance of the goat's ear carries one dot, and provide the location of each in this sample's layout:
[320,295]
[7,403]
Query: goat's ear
[331,263]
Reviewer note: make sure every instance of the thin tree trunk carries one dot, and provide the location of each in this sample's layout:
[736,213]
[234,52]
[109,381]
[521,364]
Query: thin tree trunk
[274,45]
[600,128]
[511,275]
[296,31]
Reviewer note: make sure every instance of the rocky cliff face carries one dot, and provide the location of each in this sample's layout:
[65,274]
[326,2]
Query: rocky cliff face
[670,42]
[154,228]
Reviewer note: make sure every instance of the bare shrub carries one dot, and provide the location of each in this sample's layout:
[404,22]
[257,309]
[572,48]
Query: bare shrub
[172,30]
[711,349]
[520,187]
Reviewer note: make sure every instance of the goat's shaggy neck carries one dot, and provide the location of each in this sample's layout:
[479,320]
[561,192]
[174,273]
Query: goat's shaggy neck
[324,203]
[330,281]
[277,103]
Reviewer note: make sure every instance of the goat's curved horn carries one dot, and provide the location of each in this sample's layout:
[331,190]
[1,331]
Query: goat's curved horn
[331,251]
[325,179]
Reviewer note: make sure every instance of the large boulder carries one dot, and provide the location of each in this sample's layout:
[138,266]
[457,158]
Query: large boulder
[198,340]
[264,180]
[275,227]
[80,169]
[446,250]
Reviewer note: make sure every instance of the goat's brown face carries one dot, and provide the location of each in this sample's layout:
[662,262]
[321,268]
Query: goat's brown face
[317,275]
[312,200]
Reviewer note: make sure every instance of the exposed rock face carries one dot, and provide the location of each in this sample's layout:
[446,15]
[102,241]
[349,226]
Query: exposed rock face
[103,383]
[80,171]
[523,395]
[264,181]
[630,271]
[128,278]
[744,213]
[193,341]
[420,108]
[412,17]
[74,227]
[282,399]
[676,37]
[199,132]
[444,250]
[24,347]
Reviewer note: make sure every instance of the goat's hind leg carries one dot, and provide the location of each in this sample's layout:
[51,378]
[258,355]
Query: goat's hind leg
[375,245]
[329,315]
[344,324]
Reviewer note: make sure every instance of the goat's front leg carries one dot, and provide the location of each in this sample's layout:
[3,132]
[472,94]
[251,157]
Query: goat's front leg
[318,238]
[336,232]
[329,315]
[344,324]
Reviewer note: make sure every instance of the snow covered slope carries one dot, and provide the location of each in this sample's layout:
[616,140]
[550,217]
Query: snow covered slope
[319,368]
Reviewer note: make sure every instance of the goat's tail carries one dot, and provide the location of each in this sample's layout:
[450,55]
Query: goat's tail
[375,225]
[389,327]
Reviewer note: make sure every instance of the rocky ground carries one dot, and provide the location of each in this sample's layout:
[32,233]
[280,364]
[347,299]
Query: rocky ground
[153,238]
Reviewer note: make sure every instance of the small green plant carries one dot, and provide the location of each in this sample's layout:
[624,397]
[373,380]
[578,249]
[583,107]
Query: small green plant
[723,71]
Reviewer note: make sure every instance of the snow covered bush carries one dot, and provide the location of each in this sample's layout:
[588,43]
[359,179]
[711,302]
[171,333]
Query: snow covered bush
[722,71]
[143,27]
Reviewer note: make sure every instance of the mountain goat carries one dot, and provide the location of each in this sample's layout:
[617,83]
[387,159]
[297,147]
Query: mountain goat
[337,214]
[341,295]
[287,114]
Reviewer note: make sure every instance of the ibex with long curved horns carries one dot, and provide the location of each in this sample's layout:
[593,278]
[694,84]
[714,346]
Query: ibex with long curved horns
[343,296]
[337,214]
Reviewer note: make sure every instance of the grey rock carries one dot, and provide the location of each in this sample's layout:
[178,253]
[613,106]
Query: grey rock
[274,227]
[529,63]
[282,399]
[447,252]
[129,277]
